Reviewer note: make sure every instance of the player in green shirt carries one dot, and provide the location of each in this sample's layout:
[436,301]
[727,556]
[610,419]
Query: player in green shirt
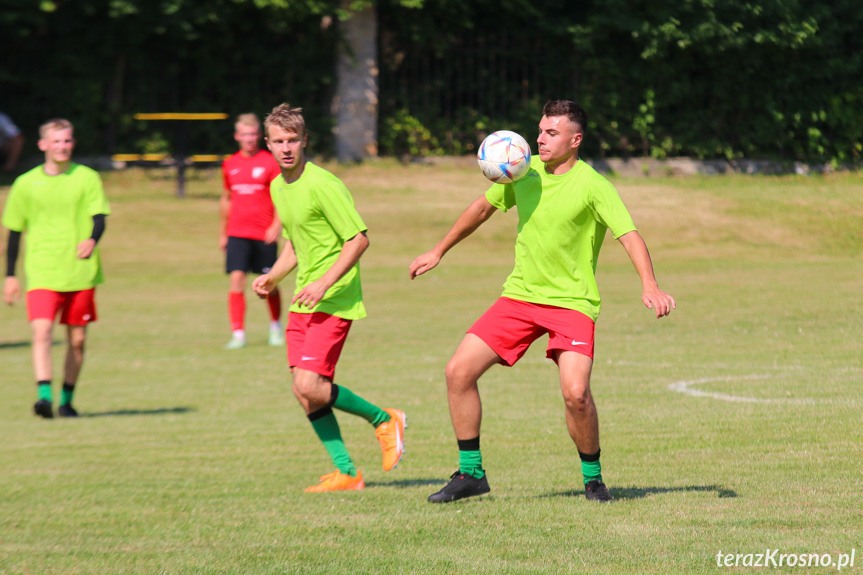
[564,209]
[325,239]
[61,206]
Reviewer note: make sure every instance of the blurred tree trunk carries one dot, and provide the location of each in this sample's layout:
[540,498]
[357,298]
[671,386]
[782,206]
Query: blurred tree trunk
[355,105]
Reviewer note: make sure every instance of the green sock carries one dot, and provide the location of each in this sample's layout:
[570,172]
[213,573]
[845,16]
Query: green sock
[44,388]
[590,467]
[470,457]
[347,401]
[327,427]
[67,393]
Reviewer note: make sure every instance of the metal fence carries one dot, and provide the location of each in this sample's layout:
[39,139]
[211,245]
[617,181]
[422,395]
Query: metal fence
[466,83]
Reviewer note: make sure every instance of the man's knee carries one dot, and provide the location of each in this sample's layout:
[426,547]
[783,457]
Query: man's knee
[42,331]
[77,344]
[578,397]
[310,386]
[302,384]
[237,281]
[454,370]
[460,374]
[77,336]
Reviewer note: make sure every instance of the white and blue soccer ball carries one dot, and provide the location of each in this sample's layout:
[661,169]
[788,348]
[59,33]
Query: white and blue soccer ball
[504,157]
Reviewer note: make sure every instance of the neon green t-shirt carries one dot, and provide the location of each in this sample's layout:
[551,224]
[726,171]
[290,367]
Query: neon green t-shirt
[561,225]
[318,216]
[56,212]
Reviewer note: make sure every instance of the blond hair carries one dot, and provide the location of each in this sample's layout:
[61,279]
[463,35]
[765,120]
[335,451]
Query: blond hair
[250,120]
[54,124]
[286,118]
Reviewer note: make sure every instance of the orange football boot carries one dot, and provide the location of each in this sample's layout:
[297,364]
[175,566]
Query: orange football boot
[338,481]
[391,435]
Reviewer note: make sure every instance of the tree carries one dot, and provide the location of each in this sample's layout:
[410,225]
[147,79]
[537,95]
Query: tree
[775,78]
[355,105]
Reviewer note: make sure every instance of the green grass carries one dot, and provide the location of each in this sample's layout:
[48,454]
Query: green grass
[193,460]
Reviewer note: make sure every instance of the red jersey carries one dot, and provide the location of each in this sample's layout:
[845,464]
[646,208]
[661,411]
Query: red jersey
[248,180]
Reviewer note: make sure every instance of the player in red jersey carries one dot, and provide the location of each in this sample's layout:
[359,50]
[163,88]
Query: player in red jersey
[250,227]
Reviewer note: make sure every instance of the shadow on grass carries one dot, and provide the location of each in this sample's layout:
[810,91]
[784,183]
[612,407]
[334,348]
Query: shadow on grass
[405,483]
[125,412]
[14,344]
[642,492]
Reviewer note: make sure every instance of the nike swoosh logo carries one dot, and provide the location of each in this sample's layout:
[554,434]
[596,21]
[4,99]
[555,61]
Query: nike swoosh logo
[578,342]
[307,358]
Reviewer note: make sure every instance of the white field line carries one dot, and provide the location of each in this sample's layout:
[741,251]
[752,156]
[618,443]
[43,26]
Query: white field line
[686,387]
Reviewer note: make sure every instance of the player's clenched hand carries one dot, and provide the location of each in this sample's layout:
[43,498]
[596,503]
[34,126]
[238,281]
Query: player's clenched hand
[424,263]
[311,295]
[656,299]
[263,285]
[223,242]
[11,290]
[85,248]
[273,233]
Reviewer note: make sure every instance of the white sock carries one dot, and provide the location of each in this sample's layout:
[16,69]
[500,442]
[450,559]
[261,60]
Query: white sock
[239,334]
[276,326]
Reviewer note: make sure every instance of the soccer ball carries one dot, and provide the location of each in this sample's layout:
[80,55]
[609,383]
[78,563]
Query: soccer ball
[503,157]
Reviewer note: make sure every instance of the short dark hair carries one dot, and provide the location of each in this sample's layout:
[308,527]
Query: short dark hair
[569,109]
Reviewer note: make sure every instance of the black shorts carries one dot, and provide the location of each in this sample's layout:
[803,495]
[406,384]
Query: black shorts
[245,255]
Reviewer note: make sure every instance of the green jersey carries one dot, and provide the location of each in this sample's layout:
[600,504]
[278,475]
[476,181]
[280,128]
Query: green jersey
[561,226]
[56,212]
[318,216]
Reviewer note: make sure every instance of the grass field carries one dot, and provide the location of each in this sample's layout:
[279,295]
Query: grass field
[733,426]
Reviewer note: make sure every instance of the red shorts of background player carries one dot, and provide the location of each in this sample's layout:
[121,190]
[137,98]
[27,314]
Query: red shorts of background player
[76,308]
[315,341]
[510,326]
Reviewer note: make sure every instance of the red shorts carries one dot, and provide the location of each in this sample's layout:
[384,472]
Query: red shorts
[509,327]
[315,341]
[76,307]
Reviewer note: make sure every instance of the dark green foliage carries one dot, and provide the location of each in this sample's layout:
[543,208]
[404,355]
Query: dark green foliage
[98,62]
[465,69]
[778,79]
[766,79]
[772,79]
